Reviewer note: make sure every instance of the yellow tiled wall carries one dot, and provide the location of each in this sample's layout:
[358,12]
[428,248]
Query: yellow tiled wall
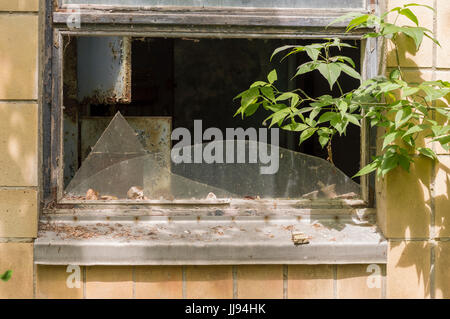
[19,113]
[192,282]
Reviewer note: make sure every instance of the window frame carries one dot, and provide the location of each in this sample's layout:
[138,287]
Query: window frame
[198,23]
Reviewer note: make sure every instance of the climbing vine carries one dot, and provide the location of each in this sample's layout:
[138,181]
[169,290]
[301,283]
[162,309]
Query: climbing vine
[406,110]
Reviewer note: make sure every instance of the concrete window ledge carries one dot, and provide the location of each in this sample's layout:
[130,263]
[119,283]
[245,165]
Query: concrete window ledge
[149,240]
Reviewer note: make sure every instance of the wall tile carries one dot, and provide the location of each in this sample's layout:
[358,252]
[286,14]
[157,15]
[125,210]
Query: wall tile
[19,144]
[407,200]
[260,281]
[159,282]
[52,282]
[310,281]
[442,197]
[19,55]
[408,269]
[112,282]
[442,278]
[209,282]
[359,281]
[19,5]
[17,257]
[18,213]
[443,29]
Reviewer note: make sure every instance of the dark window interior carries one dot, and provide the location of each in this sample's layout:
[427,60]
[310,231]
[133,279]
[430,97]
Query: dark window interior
[189,79]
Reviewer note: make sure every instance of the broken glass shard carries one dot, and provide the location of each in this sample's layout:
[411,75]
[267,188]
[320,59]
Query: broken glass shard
[293,175]
[118,162]
[117,144]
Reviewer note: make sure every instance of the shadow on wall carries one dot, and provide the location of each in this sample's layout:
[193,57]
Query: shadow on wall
[18,151]
[18,155]
[18,128]
[410,209]
[18,141]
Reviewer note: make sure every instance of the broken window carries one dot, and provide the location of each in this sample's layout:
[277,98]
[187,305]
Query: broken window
[153,119]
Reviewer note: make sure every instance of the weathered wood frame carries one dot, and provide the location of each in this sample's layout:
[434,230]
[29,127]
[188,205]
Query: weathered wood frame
[176,22]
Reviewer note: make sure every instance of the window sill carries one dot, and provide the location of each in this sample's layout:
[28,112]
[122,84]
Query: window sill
[158,240]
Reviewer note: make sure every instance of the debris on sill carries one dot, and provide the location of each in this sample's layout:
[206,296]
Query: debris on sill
[300,238]
[136,192]
[108,240]
[327,191]
[211,196]
[91,194]
[248,197]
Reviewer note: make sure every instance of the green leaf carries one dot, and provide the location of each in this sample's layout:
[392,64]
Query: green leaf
[307,134]
[303,110]
[443,139]
[278,116]
[280,49]
[404,161]
[414,129]
[409,91]
[312,53]
[285,96]
[389,163]
[324,100]
[389,86]
[274,107]
[6,276]
[295,127]
[389,29]
[439,130]
[353,119]
[410,15]
[344,17]
[330,72]
[343,106]
[402,116]
[432,39]
[395,74]
[258,84]
[324,135]
[306,67]
[367,169]
[315,111]
[350,71]
[249,97]
[267,91]
[432,92]
[371,35]
[326,117]
[251,109]
[425,151]
[344,58]
[356,22]
[414,33]
[418,5]
[389,138]
[289,95]
[272,77]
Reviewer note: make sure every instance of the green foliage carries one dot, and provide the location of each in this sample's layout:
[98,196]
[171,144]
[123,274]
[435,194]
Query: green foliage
[6,276]
[406,111]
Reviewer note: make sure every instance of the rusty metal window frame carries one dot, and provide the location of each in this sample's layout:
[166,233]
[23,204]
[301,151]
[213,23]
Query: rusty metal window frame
[172,23]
